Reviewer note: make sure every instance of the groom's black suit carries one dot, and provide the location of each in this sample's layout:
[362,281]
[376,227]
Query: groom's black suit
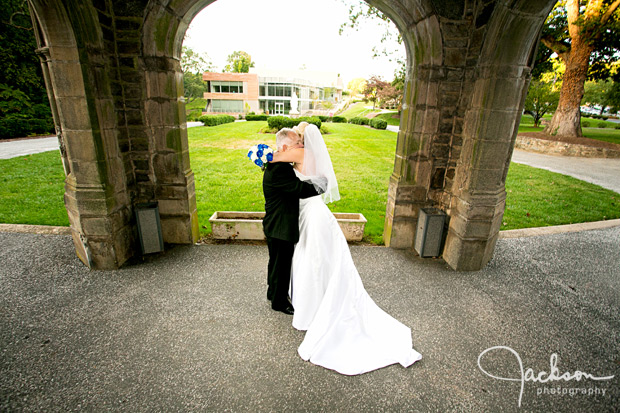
[282,190]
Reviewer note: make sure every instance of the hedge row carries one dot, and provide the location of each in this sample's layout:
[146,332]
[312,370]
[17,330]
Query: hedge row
[256,117]
[15,127]
[279,122]
[594,116]
[376,123]
[213,120]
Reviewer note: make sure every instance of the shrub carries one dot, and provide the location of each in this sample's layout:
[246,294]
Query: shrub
[602,125]
[323,118]
[253,117]
[15,126]
[585,115]
[378,123]
[214,120]
[585,124]
[339,119]
[279,122]
[605,117]
[358,120]
[617,126]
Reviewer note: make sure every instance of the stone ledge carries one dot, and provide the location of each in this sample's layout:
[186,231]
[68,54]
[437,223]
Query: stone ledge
[564,148]
[35,229]
[559,229]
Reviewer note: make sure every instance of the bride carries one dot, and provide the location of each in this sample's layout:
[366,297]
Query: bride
[346,331]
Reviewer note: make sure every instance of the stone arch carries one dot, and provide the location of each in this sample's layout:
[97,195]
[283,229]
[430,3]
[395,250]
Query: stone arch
[123,121]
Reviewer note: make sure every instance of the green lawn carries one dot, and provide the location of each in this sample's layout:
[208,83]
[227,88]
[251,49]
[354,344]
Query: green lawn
[593,131]
[392,118]
[31,187]
[357,109]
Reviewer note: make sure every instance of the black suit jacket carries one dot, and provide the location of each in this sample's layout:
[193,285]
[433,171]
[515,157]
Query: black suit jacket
[282,190]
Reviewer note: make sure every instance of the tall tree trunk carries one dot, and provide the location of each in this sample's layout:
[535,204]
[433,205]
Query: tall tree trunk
[566,120]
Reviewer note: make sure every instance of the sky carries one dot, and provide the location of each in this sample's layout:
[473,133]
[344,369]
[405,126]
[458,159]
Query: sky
[288,34]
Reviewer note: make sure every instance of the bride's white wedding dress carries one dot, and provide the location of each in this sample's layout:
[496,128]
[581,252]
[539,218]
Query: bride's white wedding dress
[346,330]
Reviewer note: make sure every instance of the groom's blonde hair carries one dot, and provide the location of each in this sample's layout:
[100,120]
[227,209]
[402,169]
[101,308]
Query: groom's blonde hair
[286,136]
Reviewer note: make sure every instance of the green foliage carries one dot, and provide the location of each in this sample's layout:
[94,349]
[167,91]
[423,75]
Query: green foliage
[541,99]
[24,105]
[358,120]
[214,120]
[617,126]
[339,119]
[601,125]
[323,118]
[253,117]
[239,62]
[377,123]
[195,62]
[279,122]
[585,124]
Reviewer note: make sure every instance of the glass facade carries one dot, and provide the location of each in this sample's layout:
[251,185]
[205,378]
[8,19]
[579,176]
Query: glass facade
[227,106]
[226,87]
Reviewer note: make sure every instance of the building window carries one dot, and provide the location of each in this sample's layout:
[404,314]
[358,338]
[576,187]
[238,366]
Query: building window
[275,89]
[226,87]
[235,106]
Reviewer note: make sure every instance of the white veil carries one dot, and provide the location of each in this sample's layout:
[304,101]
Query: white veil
[318,165]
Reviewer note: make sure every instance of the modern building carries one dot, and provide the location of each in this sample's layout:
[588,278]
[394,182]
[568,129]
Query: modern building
[272,92]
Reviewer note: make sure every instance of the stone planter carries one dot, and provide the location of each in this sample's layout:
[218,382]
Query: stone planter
[249,225]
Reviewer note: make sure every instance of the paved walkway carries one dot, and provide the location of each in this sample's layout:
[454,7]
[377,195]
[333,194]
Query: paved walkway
[15,148]
[22,147]
[191,330]
[603,172]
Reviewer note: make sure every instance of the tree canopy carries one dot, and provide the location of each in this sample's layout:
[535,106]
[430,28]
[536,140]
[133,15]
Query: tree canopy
[24,105]
[239,62]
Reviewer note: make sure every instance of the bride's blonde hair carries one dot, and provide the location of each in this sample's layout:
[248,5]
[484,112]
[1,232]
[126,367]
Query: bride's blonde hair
[299,129]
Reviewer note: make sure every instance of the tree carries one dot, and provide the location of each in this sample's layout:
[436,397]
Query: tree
[359,11]
[194,62]
[357,85]
[376,89]
[24,104]
[586,38]
[193,65]
[541,99]
[239,62]
[602,93]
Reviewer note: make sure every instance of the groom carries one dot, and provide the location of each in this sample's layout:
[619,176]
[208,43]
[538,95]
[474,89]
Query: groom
[282,190]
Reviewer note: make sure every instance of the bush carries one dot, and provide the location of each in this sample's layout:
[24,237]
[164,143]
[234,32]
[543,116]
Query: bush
[323,118]
[15,126]
[602,125]
[585,115]
[339,119]
[279,122]
[214,120]
[378,123]
[252,117]
[605,117]
[617,126]
[585,124]
[358,120]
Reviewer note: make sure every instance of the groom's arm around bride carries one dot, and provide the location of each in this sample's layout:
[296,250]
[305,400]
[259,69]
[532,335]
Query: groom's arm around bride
[282,190]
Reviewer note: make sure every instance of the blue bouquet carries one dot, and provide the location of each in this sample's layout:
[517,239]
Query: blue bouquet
[260,154]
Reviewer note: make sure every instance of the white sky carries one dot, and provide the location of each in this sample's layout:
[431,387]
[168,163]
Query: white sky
[286,34]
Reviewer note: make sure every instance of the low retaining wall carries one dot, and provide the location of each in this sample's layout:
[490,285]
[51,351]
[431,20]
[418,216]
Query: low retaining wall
[564,148]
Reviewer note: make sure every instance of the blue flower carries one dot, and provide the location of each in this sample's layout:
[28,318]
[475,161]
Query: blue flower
[250,154]
[269,157]
[259,162]
[259,153]
[262,146]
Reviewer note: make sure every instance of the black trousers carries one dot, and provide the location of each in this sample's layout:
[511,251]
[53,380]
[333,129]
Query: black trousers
[279,271]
